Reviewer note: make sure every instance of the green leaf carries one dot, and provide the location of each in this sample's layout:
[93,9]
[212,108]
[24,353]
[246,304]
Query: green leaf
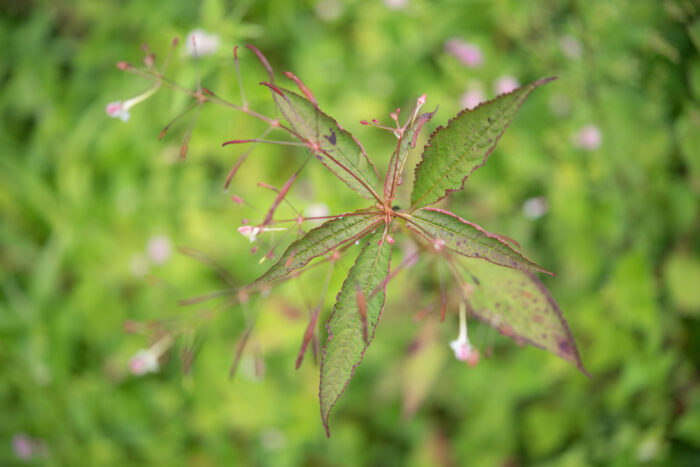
[517,304]
[319,241]
[398,159]
[455,151]
[336,148]
[468,239]
[346,345]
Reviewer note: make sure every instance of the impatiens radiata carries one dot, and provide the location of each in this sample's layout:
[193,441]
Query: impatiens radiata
[495,282]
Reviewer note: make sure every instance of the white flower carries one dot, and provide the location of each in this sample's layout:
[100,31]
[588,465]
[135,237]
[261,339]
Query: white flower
[200,43]
[317,210]
[534,208]
[253,232]
[461,346]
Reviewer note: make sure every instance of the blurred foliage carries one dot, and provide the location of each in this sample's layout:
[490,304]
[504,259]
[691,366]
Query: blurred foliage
[81,195]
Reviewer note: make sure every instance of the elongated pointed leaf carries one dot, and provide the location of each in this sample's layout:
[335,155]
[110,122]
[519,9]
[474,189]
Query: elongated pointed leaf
[517,304]
[398,159]
[346,346]
[337,149]
[455,151]
[468,239]
[319,241]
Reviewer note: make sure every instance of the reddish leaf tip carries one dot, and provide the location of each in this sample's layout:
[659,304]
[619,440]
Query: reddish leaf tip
[272,87]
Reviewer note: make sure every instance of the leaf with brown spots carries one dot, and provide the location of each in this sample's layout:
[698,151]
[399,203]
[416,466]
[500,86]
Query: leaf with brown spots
[517,304]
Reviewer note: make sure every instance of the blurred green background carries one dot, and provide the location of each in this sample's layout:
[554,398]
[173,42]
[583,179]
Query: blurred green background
[598,178]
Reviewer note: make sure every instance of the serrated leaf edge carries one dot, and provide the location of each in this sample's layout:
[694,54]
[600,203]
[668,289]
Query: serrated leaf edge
[536,84]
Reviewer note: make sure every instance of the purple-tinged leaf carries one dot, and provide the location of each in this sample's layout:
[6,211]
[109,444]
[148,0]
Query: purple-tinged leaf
[517,304]
[346,345]
[468,239]
[407,141]
[321,240]
[455,151]
[336,148]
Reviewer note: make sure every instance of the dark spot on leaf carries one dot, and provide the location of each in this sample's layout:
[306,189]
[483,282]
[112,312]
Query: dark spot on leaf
[564,347]
[331,138]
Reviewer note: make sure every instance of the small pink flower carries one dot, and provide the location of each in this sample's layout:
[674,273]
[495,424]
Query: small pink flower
[144,361]
[472,98]
[159,249]
[505,84]
[26,448]
[22,446]
[467,53]
[396,4]
[462,348]
[117,110]
[589,138]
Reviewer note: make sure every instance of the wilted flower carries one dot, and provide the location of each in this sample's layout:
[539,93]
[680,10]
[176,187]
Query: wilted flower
[505,84]
[472,98]
[589,137]
[159,249]
[467,53]
[200,43]
[462,348]
[534,208]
